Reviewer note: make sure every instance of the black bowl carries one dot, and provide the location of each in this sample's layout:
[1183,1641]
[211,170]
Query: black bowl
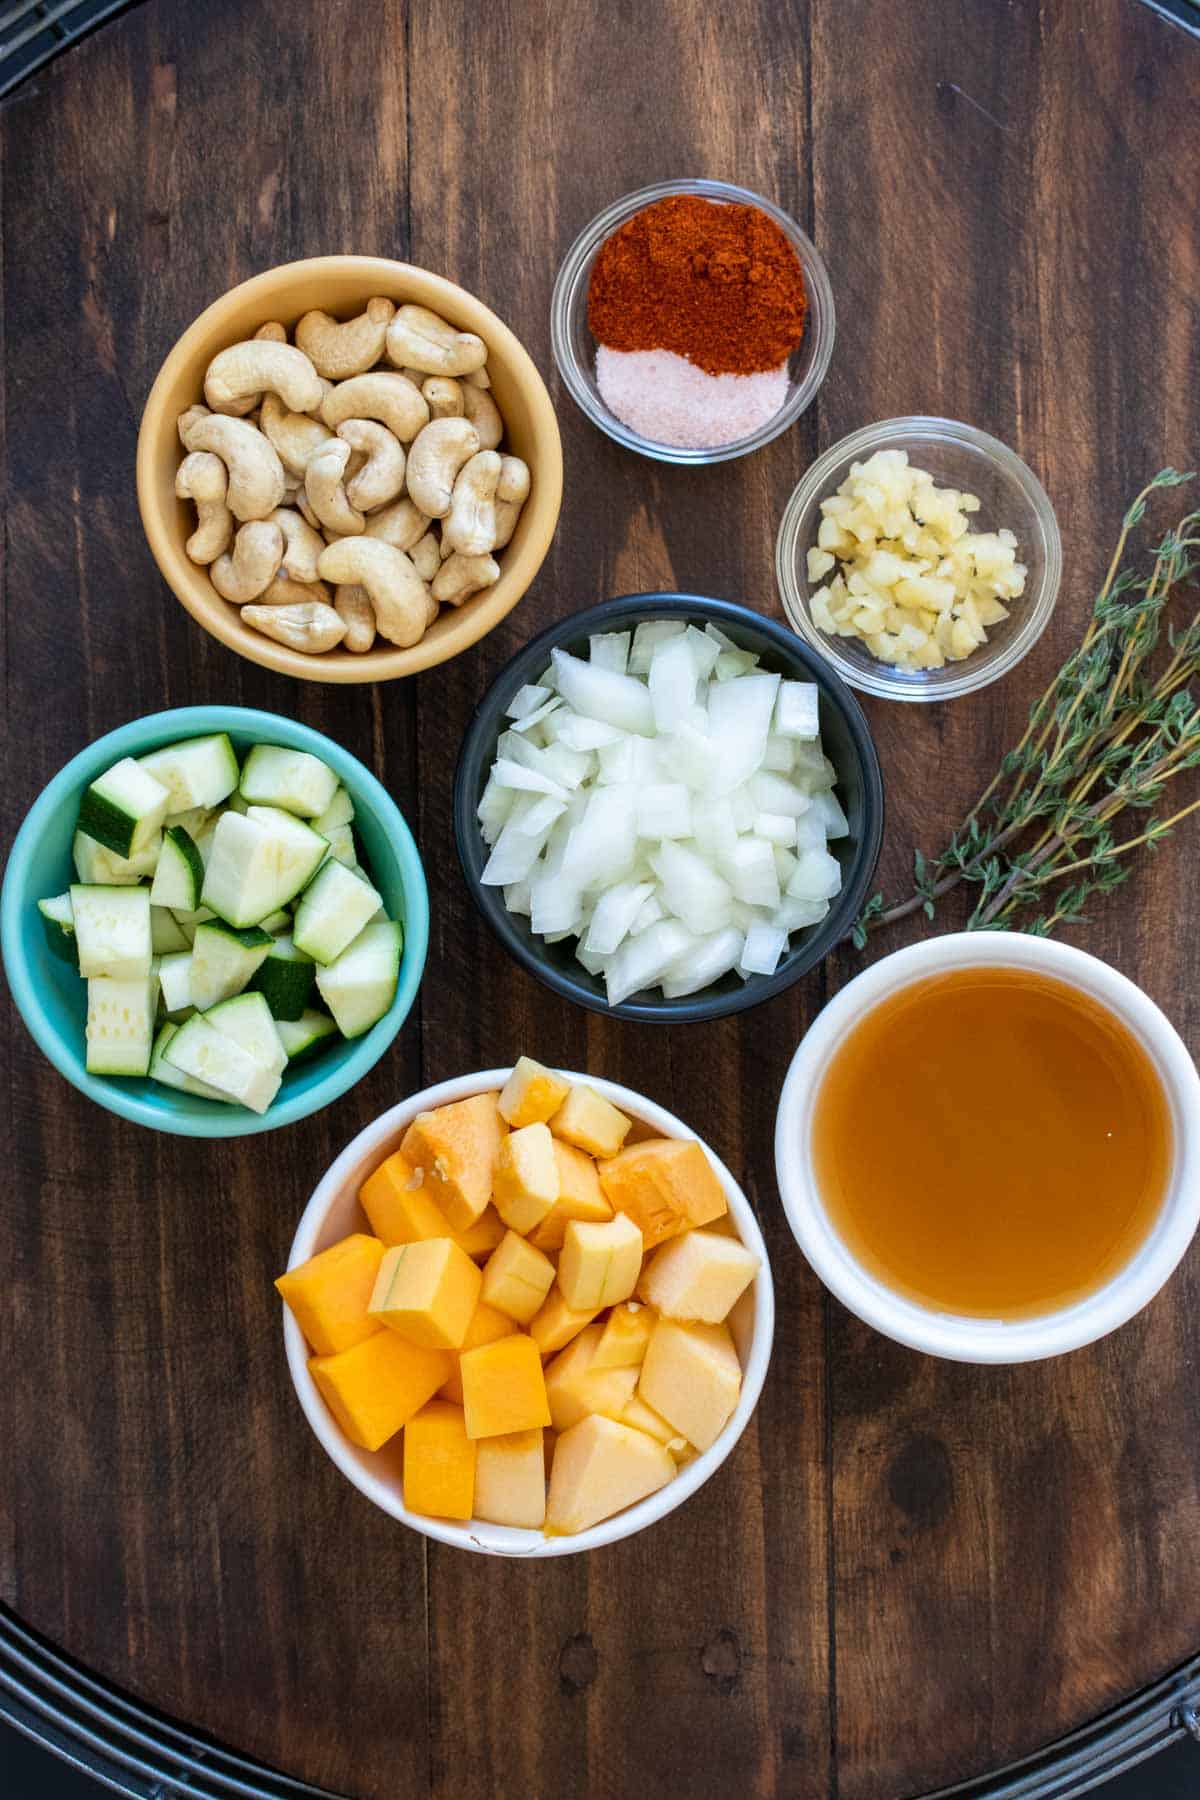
[847,743]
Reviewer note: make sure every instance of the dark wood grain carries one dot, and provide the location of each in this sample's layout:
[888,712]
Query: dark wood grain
[909,1571]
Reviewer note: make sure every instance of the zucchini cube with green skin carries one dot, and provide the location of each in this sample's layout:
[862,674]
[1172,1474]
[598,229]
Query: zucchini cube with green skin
[179,875]
[304,1036]
[112,931]
[223,961]
[175,980]
[124,807]
[120,1025]
[258,862]
[198,1049]
[167,936]
[291,779]
[58,921]
[247,1020]
[360,984]
[96,866]
[340,811]
[199,772]
[162,1071]
[333,909]
[285,979]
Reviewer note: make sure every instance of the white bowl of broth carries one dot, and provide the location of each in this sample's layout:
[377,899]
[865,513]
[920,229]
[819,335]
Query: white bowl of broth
[988,1147]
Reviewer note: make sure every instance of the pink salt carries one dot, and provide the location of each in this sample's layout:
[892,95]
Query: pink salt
[669,400]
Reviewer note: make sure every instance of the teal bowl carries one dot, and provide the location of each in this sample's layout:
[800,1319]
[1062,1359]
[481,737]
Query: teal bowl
[51,998]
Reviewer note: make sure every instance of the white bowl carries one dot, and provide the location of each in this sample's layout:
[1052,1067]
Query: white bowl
[334,1211]
[951,1335]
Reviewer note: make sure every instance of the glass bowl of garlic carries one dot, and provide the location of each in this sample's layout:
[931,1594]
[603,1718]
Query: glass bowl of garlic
[920,557]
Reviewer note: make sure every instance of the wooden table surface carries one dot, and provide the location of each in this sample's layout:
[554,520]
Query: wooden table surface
[909,1572]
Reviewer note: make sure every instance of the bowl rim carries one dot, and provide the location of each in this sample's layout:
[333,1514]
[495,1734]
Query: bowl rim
[693,1009]
[965,1338]
[137,737]
[956,679]
[822,318]
[513,1541]
[182,576]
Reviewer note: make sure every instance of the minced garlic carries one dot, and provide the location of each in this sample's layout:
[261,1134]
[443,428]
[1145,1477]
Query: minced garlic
[912,582]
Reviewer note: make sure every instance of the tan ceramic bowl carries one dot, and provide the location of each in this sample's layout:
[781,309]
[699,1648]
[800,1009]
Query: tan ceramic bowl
[342,285]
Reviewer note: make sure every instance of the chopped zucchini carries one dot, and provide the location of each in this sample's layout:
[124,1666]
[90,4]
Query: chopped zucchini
[175,980]
[333,909]
[285,979]
[58,921]
[276,923]
[112,931]
[247,1020]
[98,867]
[258,863]
[120,1024]
[300,1037]
[340,811]
[188,921]
[199,771]
[165,1072]
[291,779]
[208,1055]
[167,935]
[341,845]
[360,985]
[180,872]
[223,960]
[124,807]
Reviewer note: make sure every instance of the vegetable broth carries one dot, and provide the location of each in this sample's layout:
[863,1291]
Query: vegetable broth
[992,1142]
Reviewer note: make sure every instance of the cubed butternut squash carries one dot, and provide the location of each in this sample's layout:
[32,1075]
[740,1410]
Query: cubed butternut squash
[532,1094]
[439,1463]
[427,1292]
[526,1184]
[574,1388]
[510,1479]
[557,1323]
[486,1326]
[664,1185]
[504,1388]
[590,1122]
[375,1387]
[517,1278]
[402,1210]
[692,1377]
[330,1293]
[456,1147]
[644,1418]
[599,1264]
[698,1275]
[600,1468]
[579,1197]
[626,1334]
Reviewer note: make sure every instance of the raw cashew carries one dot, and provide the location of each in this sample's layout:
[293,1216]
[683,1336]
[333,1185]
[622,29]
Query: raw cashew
[324,475]
[305,510]
[284,591]
[484,415]
[186,420]
[444,395]
[399,597]
[512,491]
[420,339]
[312,626]
[438,454]
[259,366]
[271,333]
[461,576]
[301,545]
[294,435]
[201,477]
[392,399]
[470,526]
[381,477]
[353,607]
[251,567]
[256,478]
[426,556]
[479,377]
[340,350]
[401,524]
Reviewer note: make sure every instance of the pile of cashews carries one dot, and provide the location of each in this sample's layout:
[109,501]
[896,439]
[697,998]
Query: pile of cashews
[349,485]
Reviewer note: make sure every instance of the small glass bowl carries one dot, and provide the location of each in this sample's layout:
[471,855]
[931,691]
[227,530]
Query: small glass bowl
[575,348]
[1011,497]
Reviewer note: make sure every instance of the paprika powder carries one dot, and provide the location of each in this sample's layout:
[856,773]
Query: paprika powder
[716,283]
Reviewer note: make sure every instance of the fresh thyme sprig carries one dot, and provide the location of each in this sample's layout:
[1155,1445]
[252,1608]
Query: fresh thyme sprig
[1109,734]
